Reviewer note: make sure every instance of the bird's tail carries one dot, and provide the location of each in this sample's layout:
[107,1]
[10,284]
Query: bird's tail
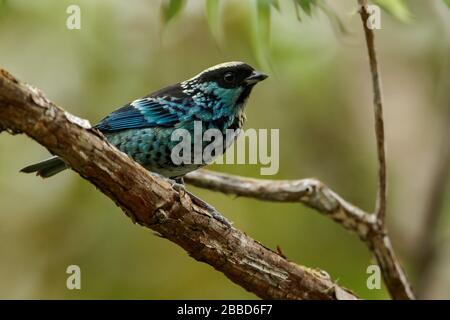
[46,168]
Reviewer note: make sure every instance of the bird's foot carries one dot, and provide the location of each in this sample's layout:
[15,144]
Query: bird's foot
[178,184]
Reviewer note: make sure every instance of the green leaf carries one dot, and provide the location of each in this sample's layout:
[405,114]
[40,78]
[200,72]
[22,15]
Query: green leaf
[297,11]
[263,17]
[275,4]
[307,5]
[335,20]
[261,31]
[170,8]
[447,2]
[213,15]
[396,8]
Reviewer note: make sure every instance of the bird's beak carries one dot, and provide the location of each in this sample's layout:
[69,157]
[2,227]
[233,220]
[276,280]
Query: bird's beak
[255,77]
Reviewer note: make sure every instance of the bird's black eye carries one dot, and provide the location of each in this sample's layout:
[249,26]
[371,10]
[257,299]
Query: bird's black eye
[229,77]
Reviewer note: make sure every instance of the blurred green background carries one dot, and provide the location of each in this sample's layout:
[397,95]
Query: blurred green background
[319,96]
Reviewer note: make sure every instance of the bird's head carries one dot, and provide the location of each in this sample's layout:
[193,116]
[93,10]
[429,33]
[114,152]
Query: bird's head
[231,75]
[229,83]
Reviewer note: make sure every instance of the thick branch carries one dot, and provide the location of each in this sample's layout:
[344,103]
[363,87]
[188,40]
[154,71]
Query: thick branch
[153,203]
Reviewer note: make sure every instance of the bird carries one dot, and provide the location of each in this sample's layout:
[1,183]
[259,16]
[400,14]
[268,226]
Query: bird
[143,129]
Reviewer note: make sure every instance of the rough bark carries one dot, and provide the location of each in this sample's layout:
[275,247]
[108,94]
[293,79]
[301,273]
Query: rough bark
[152,202]
[321,198]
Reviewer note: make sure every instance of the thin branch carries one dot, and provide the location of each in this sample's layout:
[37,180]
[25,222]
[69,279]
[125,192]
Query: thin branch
[152,202]
[369,227]
[318,196]
[380,209]
[394,275]
[311,192]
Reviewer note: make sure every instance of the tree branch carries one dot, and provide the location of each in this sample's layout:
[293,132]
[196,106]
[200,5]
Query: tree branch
[380,209]
[313,193]
[318,196]
[310,192]
[380,243]
[153,203]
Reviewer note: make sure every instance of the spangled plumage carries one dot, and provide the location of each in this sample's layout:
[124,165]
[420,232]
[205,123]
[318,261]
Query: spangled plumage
[143,128]
[143,113]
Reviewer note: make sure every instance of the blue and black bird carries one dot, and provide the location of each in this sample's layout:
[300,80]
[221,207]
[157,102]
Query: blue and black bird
[143,128]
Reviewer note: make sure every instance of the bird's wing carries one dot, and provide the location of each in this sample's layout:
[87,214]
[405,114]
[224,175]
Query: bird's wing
[162,111]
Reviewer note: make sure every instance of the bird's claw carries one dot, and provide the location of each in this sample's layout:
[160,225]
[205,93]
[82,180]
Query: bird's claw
[178,184]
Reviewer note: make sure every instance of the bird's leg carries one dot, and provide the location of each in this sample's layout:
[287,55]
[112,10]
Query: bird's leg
[178,184]
[179,180]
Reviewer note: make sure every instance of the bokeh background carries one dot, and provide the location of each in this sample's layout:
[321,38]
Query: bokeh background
[319,96]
